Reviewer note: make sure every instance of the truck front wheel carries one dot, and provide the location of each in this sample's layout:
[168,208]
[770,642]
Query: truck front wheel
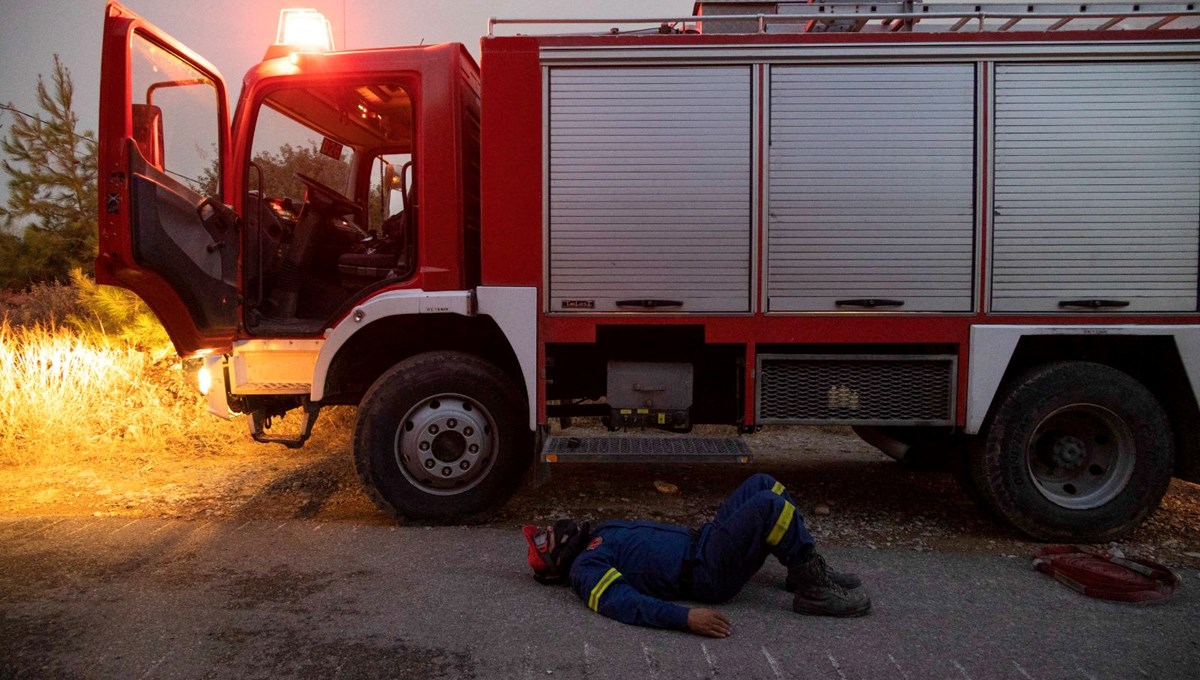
[1075,451]
[441,436]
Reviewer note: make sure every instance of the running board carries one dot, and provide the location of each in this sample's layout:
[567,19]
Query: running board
[626,449]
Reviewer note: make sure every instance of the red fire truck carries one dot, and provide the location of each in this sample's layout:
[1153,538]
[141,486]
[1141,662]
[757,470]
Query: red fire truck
[967,224]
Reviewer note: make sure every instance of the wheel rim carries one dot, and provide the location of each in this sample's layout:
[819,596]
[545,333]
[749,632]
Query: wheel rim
[446,444]
[1081,456]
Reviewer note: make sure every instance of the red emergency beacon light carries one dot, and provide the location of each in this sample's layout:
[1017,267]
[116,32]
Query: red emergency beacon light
[301,30]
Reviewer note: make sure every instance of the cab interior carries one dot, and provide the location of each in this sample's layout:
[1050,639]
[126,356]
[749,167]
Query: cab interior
[330,204]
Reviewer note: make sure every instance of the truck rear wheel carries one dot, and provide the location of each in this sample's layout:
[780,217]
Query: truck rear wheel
[441,436]
[1075,451]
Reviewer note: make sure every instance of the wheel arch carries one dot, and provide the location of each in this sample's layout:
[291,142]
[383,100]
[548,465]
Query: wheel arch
[380,333]
[1164,359]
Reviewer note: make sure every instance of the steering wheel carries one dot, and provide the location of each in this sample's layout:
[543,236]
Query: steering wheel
[326,201]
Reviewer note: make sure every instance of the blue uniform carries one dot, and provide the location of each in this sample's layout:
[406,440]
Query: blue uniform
[632,571]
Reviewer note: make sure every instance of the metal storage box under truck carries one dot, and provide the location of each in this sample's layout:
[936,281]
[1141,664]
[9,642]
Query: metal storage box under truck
[970,228]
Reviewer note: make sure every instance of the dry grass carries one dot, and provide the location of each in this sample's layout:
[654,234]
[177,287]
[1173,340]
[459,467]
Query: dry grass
[88,374]
[67,396]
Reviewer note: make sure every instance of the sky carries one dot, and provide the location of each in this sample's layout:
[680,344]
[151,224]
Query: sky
[234,34]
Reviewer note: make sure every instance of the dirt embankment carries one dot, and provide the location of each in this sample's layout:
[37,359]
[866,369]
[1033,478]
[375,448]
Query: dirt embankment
[850,495]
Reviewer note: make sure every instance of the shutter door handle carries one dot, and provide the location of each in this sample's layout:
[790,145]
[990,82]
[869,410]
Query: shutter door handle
[1093,304]
[870,303]
[649,304]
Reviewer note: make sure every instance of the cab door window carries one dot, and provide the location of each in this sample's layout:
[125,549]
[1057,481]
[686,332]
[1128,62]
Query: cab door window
[179,229]
[176,117]
[391,181]
[392,210]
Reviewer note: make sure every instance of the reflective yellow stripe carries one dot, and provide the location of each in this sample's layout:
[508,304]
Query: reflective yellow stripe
[605,581]
[778,488]
[781,524]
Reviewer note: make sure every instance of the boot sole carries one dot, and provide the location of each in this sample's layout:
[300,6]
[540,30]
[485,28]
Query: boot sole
[793,588]
[851,614]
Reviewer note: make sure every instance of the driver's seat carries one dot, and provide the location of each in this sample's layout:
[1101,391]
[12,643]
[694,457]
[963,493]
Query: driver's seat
[391,257]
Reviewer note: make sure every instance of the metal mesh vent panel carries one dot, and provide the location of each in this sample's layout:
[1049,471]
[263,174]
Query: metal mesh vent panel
[857,391]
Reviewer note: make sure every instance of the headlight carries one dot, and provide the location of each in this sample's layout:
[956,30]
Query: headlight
[204,380]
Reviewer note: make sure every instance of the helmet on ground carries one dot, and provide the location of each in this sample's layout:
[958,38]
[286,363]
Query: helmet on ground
[553,548]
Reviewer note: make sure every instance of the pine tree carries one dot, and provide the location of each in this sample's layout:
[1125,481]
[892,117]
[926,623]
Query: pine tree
[52,189]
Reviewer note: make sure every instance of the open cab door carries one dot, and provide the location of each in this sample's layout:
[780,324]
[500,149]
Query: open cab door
[165,231]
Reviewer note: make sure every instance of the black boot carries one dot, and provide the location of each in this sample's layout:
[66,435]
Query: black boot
[818,595]
[845,580]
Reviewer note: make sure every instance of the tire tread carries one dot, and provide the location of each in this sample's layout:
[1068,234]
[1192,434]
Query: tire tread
[1043,388]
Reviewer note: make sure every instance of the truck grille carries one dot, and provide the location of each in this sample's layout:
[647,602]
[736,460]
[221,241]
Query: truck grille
[856,390]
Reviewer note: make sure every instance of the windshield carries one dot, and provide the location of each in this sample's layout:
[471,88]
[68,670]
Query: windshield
[320,131]
[283,147]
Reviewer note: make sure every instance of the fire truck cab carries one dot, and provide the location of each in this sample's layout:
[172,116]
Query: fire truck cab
[933,223]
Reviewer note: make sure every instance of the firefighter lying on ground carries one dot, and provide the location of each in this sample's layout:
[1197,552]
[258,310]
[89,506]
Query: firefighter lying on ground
[631,571]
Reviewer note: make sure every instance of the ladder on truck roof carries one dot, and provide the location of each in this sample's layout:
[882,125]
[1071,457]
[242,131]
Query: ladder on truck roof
[1006,16]
[808,16]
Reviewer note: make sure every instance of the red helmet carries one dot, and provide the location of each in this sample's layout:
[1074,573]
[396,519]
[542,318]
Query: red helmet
[553,548]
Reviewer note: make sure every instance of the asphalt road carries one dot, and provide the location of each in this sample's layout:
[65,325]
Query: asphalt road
[149,598]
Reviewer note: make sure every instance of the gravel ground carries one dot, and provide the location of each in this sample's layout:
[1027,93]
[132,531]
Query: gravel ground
[850,495]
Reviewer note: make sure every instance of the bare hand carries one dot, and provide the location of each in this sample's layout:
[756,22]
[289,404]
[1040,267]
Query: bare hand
[709,623]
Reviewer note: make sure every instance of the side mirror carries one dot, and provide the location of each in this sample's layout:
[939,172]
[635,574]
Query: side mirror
[148,133]
[392,180]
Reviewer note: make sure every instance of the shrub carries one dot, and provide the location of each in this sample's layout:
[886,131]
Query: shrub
[42,304]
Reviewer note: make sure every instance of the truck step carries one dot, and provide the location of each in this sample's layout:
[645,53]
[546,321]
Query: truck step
[627,449]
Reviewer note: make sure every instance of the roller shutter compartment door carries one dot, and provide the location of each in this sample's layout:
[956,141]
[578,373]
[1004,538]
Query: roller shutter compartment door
[1097,187]
[872,188]
[649,183]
